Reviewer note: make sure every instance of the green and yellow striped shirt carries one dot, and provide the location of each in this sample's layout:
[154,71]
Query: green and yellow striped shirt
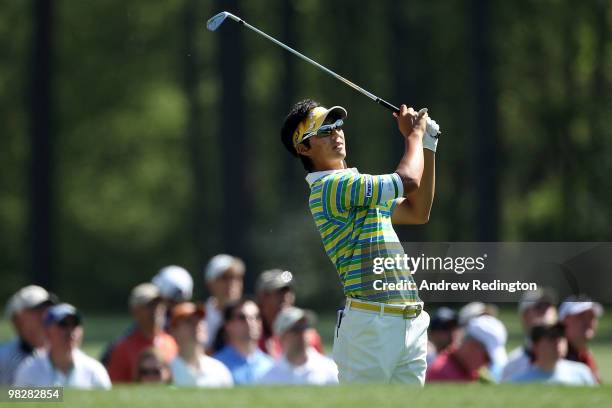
[352,212]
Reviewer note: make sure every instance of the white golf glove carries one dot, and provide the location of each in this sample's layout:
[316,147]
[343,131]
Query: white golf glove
[430,138]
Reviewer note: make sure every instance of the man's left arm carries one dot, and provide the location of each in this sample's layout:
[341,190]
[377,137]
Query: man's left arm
[415,208]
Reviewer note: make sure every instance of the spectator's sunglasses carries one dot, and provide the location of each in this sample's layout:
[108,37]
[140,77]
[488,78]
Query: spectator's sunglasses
[149,372]
[243,318]
[324,130]
[69,322]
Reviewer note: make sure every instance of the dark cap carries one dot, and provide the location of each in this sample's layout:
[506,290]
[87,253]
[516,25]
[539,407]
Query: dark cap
[444,319]
[59,312]
[554,331]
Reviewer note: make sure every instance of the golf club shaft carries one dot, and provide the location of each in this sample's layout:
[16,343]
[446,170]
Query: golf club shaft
[359,89]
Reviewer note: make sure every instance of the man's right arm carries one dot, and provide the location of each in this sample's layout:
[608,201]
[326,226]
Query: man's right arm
[410,167]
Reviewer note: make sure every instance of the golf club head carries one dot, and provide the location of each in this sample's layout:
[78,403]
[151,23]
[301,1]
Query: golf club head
[215,21]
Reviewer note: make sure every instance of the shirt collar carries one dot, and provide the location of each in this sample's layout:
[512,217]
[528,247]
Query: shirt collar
[314,176]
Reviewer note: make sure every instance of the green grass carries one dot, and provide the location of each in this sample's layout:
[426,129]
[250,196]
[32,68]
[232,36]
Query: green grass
[369,396]
[99,330]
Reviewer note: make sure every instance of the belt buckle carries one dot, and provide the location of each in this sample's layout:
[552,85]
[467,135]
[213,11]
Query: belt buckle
[409,308]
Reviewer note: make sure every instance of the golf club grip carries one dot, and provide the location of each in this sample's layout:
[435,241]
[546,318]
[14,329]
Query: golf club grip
[387,105]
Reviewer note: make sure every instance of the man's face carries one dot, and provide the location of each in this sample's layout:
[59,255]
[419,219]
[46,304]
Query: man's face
[272,302]
[296,339]
[65,335]
[228,286]
[245,323]
[189,330]
[29,326]
[550,349]
[151,315]
[152,371]
[581,326]
[541,314]
[325,149]
[478,354]
[442,338]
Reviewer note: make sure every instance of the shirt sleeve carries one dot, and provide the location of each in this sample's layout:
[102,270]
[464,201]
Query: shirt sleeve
[350,190]
[118,368]
[23,374]
[101,378]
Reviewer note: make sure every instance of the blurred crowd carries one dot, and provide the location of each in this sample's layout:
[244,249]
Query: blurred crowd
[470,344]
[232,339]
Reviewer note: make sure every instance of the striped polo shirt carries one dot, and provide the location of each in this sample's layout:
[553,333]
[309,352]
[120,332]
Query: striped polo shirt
[352,212]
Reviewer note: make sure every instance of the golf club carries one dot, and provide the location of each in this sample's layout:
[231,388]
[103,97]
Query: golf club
[215,21]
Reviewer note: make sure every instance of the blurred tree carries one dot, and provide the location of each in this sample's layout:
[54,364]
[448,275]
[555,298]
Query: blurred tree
[486,213]
[290,166]
[194,128]
[42,167]
[237,188]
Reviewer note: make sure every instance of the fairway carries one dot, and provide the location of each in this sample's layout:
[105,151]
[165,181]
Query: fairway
[99,330]
[368,396]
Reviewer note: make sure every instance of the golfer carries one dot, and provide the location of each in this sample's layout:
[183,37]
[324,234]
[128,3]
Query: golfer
[381,335]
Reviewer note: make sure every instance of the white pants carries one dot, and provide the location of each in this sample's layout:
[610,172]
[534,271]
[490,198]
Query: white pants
[382,348]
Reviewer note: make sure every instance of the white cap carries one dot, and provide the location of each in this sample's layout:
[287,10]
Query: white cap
[219,264]
[273,279]
[289,316]
[532,298]
[492,334]
[573,307]
[470,311]
[143,294]
[27,298]
[174,283]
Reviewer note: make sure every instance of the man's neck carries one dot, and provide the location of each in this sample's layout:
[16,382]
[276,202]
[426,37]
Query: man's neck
[191,353]
[297,357]
[149,332]
[246,348]
[332,165]
[578,345]
[545,365]
[62,360]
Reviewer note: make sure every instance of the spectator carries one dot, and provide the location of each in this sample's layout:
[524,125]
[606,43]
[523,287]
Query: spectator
[549,346]
[192,367]
[65,364]
[175,284]
[444,332]
[241,355]
[483,344]
[224,277]
[151,367]
[536,308]
[301,363]
[475,309]
[148,312]
[580,318]
[25,309]
[274,291]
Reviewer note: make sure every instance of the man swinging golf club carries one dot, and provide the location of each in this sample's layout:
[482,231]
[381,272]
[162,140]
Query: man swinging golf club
[381,336]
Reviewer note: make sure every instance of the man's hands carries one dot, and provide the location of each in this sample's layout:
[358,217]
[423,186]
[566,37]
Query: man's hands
[410,123]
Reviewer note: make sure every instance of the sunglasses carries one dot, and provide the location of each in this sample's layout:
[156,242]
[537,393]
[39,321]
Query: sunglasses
[150,371]
[243,318]
[68,323]
[324,130]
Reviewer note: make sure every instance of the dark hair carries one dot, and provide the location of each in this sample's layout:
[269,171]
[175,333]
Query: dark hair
[554,331]
[221,339]
[298,113]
